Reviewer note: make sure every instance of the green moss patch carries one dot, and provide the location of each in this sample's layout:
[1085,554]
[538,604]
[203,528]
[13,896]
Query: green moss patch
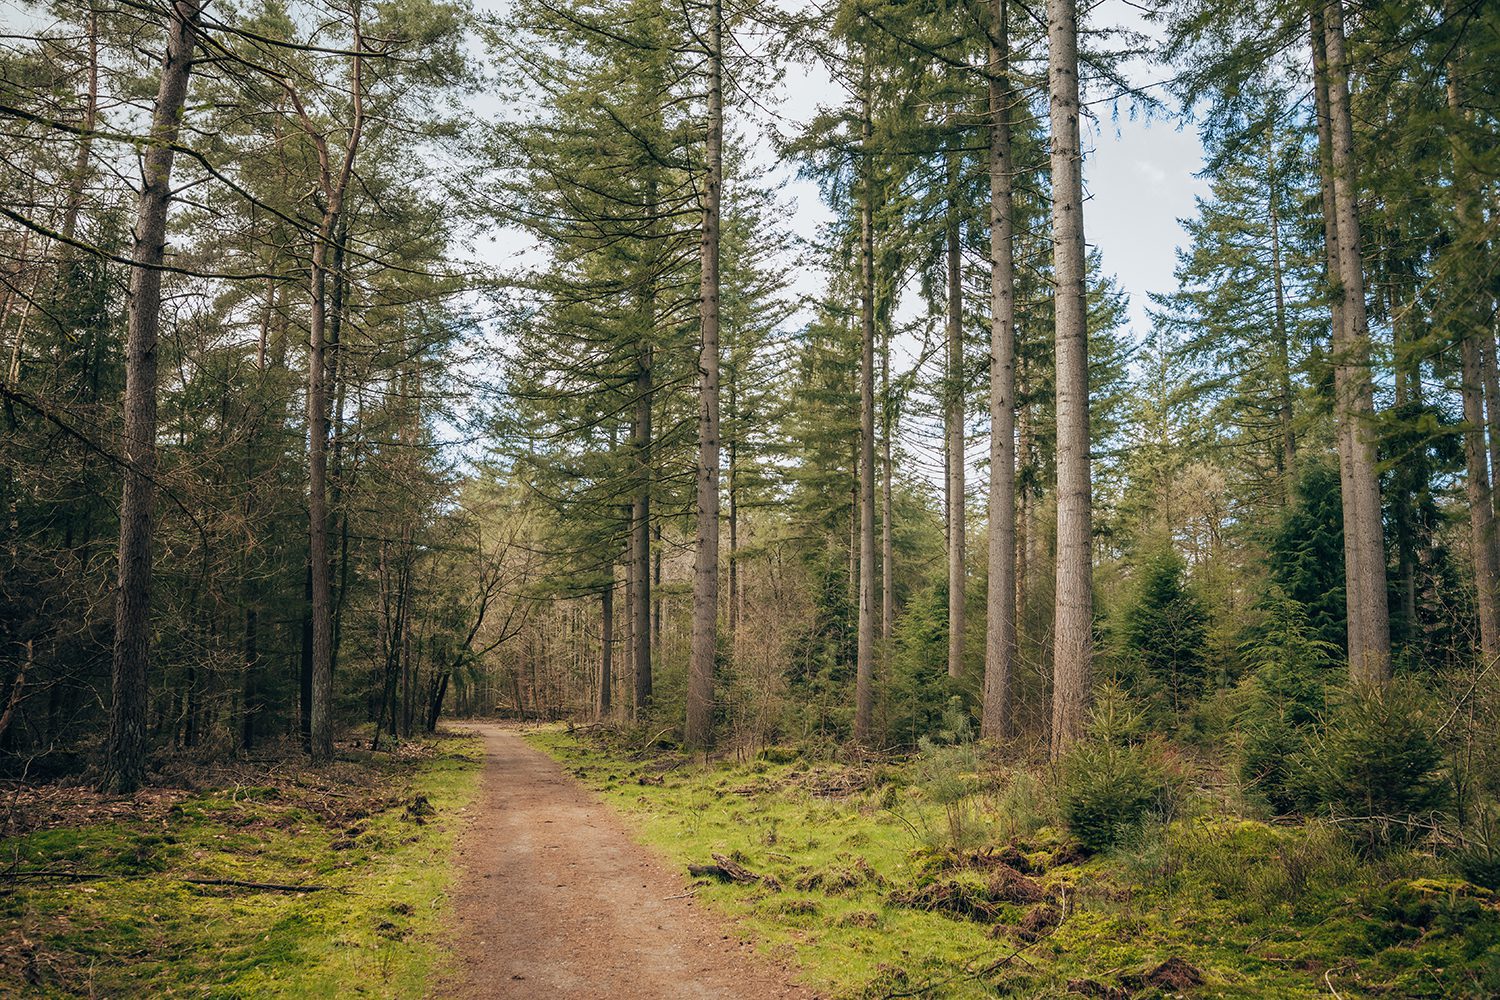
[870,890]
[128,904]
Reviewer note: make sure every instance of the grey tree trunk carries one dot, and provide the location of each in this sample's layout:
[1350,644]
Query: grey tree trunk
[700,698]
[954,417]
[125,759]
[864,674]
[1354,404]
[1073,644]
[1000,635]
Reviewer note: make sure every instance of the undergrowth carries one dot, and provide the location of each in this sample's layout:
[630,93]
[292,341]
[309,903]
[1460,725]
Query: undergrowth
[897,878]
[105,897]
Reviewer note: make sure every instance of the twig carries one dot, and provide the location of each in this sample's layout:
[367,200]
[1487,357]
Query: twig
[683,895]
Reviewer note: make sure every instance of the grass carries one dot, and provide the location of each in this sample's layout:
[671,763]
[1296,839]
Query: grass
[376,830]
[1257,910]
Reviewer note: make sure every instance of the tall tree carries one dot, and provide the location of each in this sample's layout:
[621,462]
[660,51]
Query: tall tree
[1074,605]
[700,703]
[125,763]
[1000,637]
[864,688]
[1354,397]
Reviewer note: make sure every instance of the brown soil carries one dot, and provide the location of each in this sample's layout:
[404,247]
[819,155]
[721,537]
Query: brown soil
[554,900]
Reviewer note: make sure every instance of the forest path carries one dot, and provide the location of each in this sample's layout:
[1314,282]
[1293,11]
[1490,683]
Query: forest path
[554,900]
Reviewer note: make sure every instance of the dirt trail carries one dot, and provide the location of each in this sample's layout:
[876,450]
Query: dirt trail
[555,901]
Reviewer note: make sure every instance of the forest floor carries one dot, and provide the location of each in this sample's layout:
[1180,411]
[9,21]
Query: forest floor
[878,883]
[260,877]
[555,900]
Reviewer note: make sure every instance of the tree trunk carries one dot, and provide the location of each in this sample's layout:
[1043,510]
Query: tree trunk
[125,763]
[1287,458]
[640,609]
[1000,632]
[1354,403]
[1472,325]
[864,672]
[1074,612]
[954,417]
[887,542]
[606,648]
[700,699]
[334,185]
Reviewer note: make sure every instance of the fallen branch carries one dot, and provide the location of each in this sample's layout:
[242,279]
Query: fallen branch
[267,886]
[725,870]
[236,883]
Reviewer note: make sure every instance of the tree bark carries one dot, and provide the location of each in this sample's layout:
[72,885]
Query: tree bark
[125,762]
[1000,633]
[1354,403]
[1287,459]
[334,184]
[864,673]
[1073,643]
[700,700]
[606,648]
[640,595]
[954,419]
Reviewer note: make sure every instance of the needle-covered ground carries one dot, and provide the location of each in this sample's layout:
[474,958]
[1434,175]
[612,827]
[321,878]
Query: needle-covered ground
[109,897]
[946,875]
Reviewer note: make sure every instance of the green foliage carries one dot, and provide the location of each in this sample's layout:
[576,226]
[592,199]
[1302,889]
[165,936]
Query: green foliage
[1165,628]
[1306,552]
[1111,779]
[1376,765]
[920,699]
[1284,696]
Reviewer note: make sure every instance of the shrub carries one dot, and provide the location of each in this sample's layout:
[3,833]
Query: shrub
[1376,765]
[1284,697]
[1111,780]
[1166,627]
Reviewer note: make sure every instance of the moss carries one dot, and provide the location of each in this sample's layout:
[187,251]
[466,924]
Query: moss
[143,931]
[1257,910]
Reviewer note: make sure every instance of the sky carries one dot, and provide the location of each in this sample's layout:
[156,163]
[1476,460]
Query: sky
[1138,176]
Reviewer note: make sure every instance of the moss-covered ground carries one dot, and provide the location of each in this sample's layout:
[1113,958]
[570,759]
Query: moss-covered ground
[374,830]
[881,883]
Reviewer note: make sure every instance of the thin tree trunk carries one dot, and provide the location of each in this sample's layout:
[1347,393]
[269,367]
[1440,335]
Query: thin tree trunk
[125,761]
[955,424]
[1287,459]
[700,700]
[334,185]
[1491,378]
[1354,404]
[1000,637]
[887,541]
[1472,325]
[606,647]
[864,673]
[1074,613]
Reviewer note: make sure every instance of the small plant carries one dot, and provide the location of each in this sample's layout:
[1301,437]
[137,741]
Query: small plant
[1376,766]
[1284,696]
[1111,779]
